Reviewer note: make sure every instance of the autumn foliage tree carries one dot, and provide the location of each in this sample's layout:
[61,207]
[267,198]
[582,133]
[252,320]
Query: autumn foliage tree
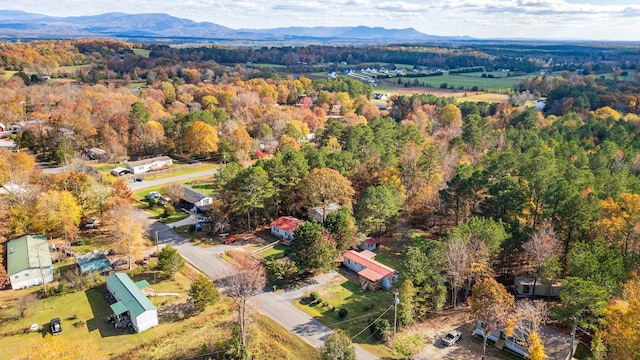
[325,186]
[543,245]
[619,222]
[622,316]
[52,208]
[490,304]
[200,138]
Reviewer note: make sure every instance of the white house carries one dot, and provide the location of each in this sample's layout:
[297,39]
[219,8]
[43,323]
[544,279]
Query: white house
[523,287]
[318,214]
[29,261]
[146,165]
[284,226]
[131,304]
[371,274]
[195,198]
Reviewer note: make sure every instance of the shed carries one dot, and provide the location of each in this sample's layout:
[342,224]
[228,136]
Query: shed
[370,243]
[95,153]
[29,261]
[131,302]
[523,287]
[146,165]
[93,261]
[118,171]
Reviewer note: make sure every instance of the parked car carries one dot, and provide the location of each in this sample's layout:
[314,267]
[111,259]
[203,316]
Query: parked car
[56,327]
[153,195]
[119,263]
[231,239]
[91,224]
[451,338]
[138,179]
[145,260]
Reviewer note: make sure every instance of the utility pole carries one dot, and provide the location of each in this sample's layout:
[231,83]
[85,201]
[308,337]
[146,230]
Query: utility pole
[157,246]
[396,301]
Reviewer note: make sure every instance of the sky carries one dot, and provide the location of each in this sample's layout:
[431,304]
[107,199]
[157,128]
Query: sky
[541,19]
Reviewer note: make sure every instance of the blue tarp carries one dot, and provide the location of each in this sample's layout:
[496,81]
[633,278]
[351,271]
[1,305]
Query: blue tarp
[93,261]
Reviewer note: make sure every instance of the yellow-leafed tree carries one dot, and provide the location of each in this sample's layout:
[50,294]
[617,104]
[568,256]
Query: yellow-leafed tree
[52,208]
[201,138]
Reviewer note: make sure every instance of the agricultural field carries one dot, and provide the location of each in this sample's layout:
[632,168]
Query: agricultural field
[142,52]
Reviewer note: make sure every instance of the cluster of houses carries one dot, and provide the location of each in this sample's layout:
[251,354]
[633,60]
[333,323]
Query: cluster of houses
[29,263]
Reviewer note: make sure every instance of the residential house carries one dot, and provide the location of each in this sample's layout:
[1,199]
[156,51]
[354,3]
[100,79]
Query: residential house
[557,345]
[371,274]
[29,261]
[370,243]
[195,200]
[284,226]
[523,287]
[318,213]
[93,261]
[131,304]
[146,165]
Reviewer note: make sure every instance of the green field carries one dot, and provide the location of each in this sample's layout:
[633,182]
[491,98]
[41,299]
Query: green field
[142,52]
[465,81]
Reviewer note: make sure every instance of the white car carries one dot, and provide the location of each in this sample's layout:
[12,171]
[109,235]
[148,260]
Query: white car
[153,195]
[451,338]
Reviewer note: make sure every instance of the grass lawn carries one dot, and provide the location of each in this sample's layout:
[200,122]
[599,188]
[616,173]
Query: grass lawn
[82,314]
[350,296]
[7,74]
[276,252]
[105,169]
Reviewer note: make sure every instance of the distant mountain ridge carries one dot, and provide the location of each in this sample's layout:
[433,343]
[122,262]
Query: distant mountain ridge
[20,24]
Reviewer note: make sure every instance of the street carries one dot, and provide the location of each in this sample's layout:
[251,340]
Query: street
[151,183]
[277,305]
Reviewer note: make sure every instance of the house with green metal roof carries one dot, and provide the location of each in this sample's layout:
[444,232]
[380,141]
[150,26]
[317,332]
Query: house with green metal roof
[131,303]
[29,261]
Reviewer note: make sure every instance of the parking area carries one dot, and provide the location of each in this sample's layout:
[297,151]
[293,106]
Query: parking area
[466,348]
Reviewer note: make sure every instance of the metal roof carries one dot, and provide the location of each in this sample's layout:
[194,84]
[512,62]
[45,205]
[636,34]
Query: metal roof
[28,252]
[129,294]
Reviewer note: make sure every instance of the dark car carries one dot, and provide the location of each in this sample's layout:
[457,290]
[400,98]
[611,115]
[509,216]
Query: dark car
[56,327]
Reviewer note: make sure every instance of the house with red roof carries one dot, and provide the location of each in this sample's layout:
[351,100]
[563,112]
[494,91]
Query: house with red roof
[371,274]
[284,226]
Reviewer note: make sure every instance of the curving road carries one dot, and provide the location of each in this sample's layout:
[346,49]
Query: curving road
[276,305]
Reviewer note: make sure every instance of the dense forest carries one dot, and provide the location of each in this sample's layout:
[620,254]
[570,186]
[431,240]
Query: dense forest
[485,180]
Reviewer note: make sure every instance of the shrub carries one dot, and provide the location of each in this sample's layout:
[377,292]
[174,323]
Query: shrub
[314,296]
[343,313]
[368,307]
[78,323]
[169,210]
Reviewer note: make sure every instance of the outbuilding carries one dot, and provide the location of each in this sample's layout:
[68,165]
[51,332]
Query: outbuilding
[29,261]
[131,304]
[93,261]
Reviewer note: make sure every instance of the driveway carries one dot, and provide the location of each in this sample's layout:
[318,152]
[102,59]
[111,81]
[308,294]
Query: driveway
[279,307]
[151,183]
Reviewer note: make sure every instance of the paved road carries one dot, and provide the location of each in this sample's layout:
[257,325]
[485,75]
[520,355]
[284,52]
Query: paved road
[206,260]
[151,183]
[278,306]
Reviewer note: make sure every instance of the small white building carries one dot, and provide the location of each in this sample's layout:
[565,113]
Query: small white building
[131,303]
[371,273]
[29,261]
[146,165]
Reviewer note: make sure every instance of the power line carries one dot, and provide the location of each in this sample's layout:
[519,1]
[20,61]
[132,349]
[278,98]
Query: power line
[373,322]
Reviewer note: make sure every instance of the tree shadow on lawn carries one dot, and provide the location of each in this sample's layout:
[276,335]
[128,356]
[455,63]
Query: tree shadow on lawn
[101,310]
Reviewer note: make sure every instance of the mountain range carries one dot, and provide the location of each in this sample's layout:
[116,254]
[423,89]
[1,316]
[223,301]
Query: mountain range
[154,27]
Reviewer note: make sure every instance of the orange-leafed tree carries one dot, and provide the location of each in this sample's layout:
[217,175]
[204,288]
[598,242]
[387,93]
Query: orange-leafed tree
[200,138]
[242,143]
[620,222]
[622,334]
[325,186]
[490,304]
